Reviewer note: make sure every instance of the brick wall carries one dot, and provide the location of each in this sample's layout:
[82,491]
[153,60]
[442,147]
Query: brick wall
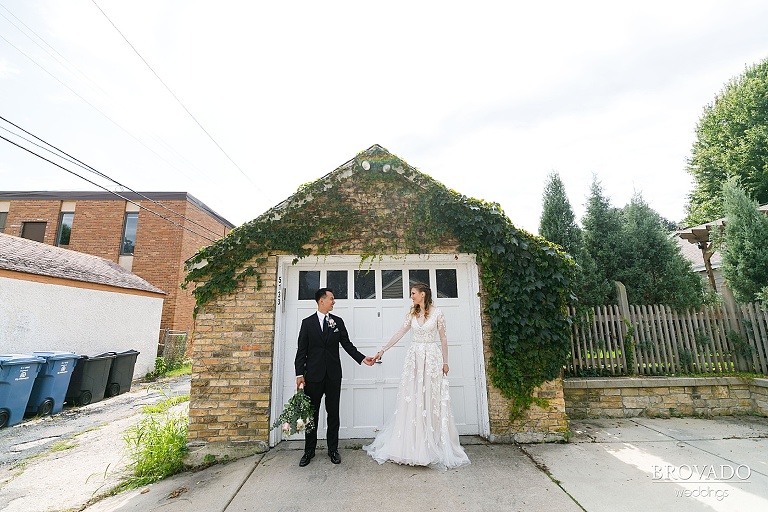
[34,211]
[665,397]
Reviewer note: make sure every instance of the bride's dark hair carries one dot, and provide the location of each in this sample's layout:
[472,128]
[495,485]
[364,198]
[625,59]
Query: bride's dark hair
[416,308]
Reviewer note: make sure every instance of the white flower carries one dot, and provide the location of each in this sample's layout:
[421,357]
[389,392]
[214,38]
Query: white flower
[299,424]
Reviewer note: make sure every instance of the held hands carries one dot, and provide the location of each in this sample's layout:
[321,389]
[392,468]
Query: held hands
[369,361]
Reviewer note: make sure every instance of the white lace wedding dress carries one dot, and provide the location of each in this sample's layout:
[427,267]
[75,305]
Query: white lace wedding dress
[421,432]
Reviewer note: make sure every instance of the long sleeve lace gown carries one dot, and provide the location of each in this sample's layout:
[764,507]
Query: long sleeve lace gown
[421,432]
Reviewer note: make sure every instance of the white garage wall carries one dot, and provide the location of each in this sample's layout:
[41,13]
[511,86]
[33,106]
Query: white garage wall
[37,316]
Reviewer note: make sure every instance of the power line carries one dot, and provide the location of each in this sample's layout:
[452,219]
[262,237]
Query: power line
[87,167]
[174,96]
[106,189]
[91,104]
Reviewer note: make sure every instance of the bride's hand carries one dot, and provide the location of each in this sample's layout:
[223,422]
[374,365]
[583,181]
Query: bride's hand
[445,368]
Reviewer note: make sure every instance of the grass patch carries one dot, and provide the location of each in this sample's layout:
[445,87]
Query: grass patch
[169,368]
[62,446]
[156,446]
[165,404]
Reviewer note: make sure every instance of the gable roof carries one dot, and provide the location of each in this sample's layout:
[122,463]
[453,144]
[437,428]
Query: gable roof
[375,158]
[30,257]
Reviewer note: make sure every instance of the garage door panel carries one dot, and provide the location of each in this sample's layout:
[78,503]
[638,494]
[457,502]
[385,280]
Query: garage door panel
[366,325]
[365,413]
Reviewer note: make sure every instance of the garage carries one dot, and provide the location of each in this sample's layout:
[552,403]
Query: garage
[367,230]
[373,299]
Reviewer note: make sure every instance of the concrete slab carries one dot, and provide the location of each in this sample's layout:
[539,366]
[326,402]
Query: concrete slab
[728,427]
[501,477]
[712,473]
[210,489]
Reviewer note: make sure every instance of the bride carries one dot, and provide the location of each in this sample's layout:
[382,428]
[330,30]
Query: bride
[421,432]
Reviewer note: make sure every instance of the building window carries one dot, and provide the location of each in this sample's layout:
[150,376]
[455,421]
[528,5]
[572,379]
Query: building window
[65,228]
[391,284]
[3,218]
[129,234]
[309,283]
[338,281]
[33,231]
[365,284]
[416,277]
[447,286]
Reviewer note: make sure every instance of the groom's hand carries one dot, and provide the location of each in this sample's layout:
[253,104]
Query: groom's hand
[299,382]
[369,361]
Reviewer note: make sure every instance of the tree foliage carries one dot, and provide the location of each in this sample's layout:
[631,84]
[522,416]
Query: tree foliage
[603,244]
[731,140]
[631,245]
[743,243]
[558,223]
[654,271]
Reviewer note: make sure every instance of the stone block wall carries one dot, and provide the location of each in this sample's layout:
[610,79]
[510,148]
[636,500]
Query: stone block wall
[626,397]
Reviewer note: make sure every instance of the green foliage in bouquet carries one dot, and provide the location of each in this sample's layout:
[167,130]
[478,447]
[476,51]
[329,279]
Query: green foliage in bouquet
[297,415]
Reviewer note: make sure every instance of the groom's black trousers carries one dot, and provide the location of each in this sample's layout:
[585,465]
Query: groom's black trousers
[331,389]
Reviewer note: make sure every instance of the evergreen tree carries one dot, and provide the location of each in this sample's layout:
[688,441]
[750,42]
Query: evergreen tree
[602,242]
[653,270]
[743,243]
[558,223]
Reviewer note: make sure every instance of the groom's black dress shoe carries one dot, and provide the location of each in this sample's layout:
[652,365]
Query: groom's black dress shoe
[335,458]
[306,458]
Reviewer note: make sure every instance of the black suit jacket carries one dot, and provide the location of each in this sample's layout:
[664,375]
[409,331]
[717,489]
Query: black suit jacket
[318,355]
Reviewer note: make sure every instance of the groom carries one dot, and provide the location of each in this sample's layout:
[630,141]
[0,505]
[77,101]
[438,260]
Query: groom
[318,368]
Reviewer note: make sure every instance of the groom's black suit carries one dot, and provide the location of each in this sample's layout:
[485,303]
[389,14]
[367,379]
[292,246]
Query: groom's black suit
[317,359]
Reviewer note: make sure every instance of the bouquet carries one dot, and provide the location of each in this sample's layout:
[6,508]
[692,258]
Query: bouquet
[297,415]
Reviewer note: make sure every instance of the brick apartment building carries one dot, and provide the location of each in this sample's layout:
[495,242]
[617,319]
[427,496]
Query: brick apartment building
[105,225]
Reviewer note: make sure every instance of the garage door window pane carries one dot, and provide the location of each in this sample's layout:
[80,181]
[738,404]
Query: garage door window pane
[337,281]
[365,284]
[446,283]
[391,284]
[418,276]
[309,283]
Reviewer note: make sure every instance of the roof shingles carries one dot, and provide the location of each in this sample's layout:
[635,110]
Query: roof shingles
[22,255]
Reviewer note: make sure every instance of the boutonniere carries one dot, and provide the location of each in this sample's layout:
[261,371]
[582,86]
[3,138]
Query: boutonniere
[331,323]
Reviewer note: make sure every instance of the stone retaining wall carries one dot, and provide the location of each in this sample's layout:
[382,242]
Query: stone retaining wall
[625,397]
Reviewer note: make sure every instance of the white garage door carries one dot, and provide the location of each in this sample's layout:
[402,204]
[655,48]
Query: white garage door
[373,300]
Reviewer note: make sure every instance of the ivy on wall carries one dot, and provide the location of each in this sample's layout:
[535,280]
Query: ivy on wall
[526,278]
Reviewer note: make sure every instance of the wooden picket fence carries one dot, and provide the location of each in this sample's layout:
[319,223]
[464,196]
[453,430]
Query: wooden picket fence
[656,340]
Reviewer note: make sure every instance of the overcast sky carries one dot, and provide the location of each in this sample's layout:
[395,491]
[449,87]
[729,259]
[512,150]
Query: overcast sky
[486,97]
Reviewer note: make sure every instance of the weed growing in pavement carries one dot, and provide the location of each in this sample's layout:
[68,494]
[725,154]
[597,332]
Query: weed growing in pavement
[165,404]
[156,447]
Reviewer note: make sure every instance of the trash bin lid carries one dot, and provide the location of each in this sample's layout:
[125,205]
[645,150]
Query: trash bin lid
[13,359]
[56,355]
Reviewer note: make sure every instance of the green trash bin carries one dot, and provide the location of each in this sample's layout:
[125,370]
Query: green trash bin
[47,396]
[121,373]
[89,379]
[17,376]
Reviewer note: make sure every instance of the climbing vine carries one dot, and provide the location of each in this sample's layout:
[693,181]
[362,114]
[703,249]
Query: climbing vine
[525,278]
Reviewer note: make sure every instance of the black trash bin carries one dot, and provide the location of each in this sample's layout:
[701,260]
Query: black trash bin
[89,380]
[121,374]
